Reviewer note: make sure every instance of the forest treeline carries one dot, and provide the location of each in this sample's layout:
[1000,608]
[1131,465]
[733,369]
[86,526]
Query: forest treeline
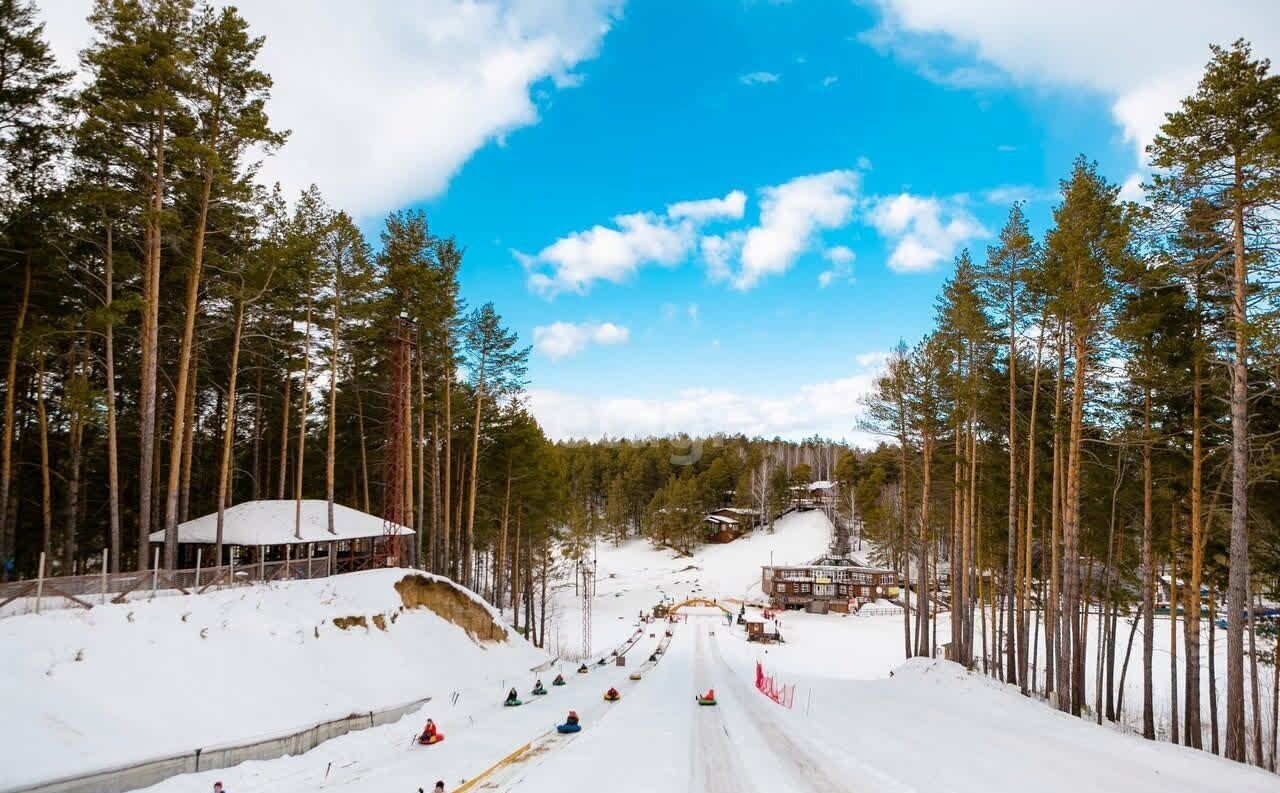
[178,339]
[1092,427]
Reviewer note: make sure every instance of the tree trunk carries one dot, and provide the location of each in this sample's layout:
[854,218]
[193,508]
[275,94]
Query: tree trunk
[1253,685]
[1025,668]
[422,450]
[189,438]
[331,451]
[228,432]
[1238,555]
[1071,530]
[75,436]
[7,532]
[447,478]
[113,446]
[364,451]
[148,450]
[1173,626]
[254,470]
[1148,576]
[284,433]
[469,542]
[1191,720]
[1011,631]
[1215,743]
[305,389]
[185,358]
[46,488]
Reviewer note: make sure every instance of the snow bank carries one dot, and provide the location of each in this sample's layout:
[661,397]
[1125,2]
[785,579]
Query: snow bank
[86,690]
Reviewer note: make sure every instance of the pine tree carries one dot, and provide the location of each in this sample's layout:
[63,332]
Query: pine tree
[1222,146]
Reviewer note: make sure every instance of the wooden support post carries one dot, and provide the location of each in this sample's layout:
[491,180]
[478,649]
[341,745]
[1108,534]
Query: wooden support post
[104,576]
[328,569]
[310,552]
[262,569]
[40,582]
[231,557]
[155,573]
[288,549]
[198,551]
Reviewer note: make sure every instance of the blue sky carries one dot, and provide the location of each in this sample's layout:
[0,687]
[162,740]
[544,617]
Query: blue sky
[869,141]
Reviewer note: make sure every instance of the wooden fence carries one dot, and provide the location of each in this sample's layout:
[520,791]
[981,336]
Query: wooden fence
[86,591]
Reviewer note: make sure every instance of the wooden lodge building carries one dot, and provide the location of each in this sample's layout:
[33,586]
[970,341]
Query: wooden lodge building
[729,523]
[829,583]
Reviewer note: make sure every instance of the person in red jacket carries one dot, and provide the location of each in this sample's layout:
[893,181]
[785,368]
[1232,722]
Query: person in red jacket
[430,734]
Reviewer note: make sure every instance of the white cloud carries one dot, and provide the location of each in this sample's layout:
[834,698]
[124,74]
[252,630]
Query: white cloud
[388,104]
[924,231]
[730,207]
[562,339]
[830,80]
[791,214]
[841,259]
[718,253]
[828,408]
[1145,58]
[758,78]
[1132,190]
[1009,193]
[872,360]
[575,262]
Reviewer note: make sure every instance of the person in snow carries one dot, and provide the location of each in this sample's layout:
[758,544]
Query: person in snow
[429,733]
[612,693]
[572,717]
[559,681]
[710,695]
[217,788]
[512,695]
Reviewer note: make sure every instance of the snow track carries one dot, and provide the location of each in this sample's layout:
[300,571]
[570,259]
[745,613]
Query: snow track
[715,766]
[777,746]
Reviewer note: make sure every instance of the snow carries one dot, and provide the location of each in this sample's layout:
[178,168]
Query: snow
[273,523]
[861,719]
[166,677]
[821,485]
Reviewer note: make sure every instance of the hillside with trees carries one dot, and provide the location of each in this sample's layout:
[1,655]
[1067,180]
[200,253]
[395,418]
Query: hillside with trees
[1088,435]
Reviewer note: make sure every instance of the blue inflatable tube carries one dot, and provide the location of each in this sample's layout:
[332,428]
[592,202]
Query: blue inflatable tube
[566,728]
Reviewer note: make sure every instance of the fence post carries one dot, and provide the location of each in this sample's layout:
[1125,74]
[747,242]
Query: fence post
[155,573]
[196,589]
[40,582]
[104,576]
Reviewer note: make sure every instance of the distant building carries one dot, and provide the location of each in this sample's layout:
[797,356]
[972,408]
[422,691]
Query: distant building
[729,523]
[836,583]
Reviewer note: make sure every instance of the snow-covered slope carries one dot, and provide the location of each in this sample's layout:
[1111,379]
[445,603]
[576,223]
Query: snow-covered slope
[86,690]
[631,578]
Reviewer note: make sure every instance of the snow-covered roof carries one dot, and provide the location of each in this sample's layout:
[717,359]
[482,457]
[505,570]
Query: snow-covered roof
[821,485]
[738,510]
[721,519]
[272,523]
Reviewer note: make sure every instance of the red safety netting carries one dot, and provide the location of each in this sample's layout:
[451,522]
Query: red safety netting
[783,694]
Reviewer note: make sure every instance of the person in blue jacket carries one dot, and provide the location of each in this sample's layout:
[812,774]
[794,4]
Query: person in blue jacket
[570,723]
